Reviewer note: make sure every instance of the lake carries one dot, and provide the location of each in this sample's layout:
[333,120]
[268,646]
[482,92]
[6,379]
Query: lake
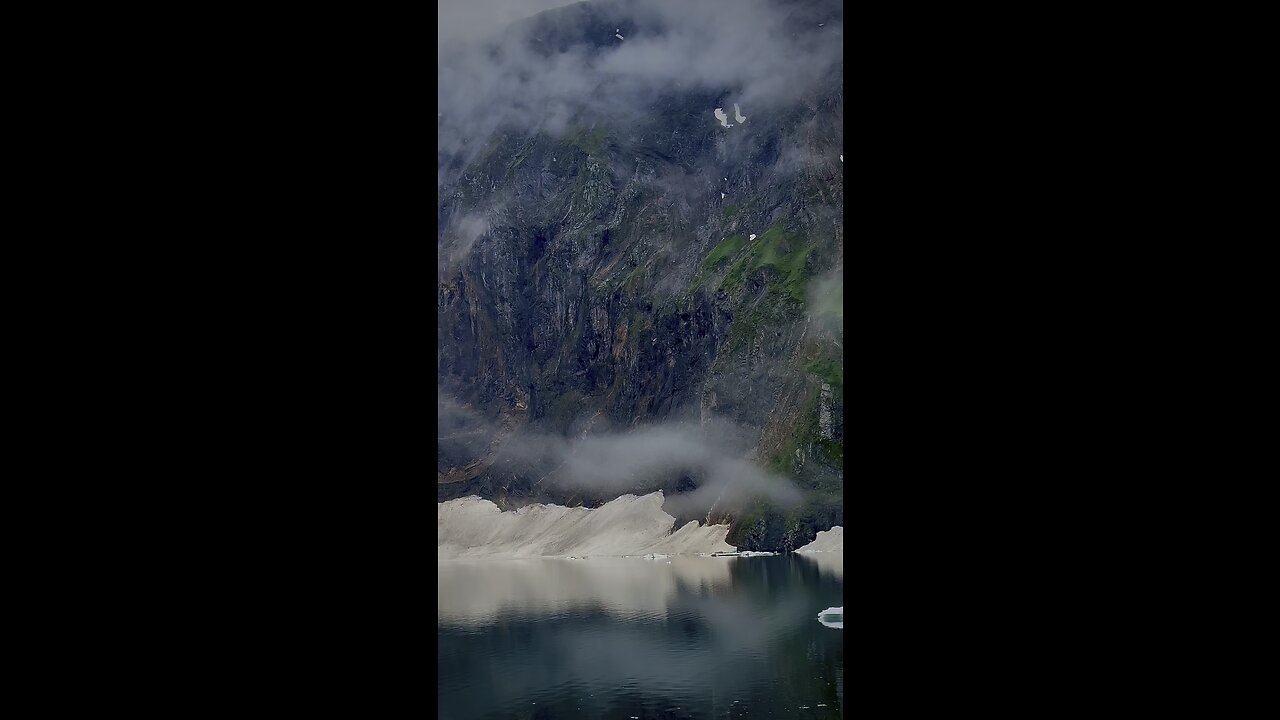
[680,637]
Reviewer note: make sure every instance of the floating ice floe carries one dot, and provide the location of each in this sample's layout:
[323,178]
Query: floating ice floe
[832,612]
[742,553]
[737,114]
[724,119]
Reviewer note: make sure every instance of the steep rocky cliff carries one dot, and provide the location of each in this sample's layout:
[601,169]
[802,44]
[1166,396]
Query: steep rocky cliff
[624,257]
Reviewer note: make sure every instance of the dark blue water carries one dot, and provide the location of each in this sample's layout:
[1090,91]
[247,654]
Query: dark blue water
[633,638]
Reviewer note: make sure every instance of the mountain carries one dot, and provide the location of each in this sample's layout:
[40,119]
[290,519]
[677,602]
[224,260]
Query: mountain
[640,263]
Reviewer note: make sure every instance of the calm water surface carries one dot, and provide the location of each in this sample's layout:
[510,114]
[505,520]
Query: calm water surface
[633,638]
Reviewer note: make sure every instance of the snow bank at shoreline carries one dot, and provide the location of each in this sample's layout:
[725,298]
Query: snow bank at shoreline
[827,541]
[471,527]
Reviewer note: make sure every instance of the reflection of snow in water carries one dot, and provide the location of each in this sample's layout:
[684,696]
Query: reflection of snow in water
[476,593]
[830,563]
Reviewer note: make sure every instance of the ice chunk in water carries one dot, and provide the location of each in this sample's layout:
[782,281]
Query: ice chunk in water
[832,611]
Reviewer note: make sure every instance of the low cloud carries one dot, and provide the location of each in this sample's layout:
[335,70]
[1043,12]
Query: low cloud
[567,67]
[650,457]
[826,301]
[462,435]
[459,237]
[466,22]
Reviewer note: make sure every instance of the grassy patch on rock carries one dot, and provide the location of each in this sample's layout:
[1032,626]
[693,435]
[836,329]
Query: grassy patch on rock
[590,142]
[782,256]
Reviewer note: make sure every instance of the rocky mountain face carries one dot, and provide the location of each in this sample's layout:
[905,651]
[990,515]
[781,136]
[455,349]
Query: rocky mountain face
[615,255]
